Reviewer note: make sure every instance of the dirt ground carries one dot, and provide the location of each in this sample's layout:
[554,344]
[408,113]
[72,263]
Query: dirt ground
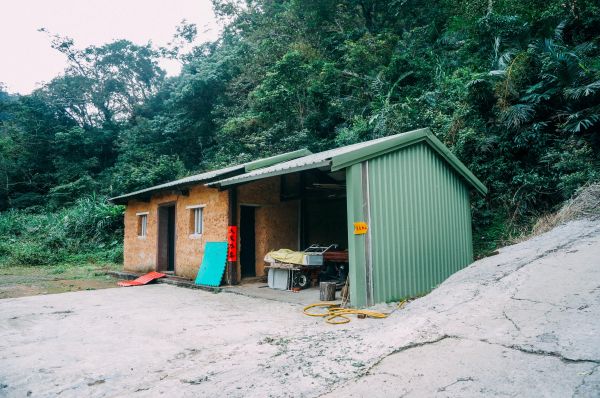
[525,322]
[31,281]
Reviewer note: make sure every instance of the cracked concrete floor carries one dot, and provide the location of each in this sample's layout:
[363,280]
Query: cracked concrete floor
[523,323]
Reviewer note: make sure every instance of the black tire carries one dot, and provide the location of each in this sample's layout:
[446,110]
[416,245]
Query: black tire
[301,280]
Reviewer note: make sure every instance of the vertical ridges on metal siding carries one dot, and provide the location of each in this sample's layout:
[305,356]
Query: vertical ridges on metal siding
[441,250]
[402,236]
[436,206]
[435,203]
[421,213]
[412,272]
[356,243]
[366,202]
[452,218]
[420,222]
[394,240]
[419,216]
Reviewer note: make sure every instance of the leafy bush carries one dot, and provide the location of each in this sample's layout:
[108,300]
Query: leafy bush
[90,230]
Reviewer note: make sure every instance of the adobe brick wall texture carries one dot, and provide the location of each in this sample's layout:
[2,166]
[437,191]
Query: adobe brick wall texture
[276,222]
[140,253]
[276,225]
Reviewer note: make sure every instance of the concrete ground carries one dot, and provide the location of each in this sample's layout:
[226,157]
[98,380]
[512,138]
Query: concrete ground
[523,323]
[261,290]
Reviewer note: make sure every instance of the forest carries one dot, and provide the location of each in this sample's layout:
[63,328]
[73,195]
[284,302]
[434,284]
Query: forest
[511,87]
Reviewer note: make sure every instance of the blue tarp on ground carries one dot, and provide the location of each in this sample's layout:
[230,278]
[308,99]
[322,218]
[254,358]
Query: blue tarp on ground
[213,264]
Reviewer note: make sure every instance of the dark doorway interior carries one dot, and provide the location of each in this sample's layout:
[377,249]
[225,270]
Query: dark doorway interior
[247,241]
[166,238]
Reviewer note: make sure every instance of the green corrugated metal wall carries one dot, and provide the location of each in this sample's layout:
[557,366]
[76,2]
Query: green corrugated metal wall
[419,217]
[356,243]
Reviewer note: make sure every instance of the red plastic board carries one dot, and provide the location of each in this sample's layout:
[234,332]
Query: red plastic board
[142,280]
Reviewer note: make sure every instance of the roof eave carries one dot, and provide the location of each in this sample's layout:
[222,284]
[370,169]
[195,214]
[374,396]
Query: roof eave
[370,151]
[226,173]
[459,166]
[422,135]
[334,163]
[238,180]
[145,194]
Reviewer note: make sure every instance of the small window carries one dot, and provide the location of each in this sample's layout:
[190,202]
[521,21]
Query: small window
[142,226]
[197,220]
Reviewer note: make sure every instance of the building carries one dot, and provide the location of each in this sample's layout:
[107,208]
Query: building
[399,204]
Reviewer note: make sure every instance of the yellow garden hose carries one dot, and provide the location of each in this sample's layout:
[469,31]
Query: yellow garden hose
[336,315]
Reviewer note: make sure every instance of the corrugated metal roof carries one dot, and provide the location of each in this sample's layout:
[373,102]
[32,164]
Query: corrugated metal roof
[211,175]
[260,163]
[333,159]
[340,158]
[374,149]
[313,161]
[198,178]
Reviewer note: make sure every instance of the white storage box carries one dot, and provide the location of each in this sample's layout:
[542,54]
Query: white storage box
[278,278]
[312,259]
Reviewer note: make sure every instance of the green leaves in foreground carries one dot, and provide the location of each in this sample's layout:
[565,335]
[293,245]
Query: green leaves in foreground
[89,231]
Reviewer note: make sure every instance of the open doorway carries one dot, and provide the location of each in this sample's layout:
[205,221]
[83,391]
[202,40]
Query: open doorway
[299,211]
[248,241]
[166,238]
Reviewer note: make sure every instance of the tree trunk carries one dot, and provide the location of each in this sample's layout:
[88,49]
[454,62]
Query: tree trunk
[327,291]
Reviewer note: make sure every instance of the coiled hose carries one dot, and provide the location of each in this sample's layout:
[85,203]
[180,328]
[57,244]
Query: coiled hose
[336,315]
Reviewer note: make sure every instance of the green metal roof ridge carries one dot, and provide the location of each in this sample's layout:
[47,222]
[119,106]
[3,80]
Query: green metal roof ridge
[371,150]
[312,161]
[398,141]
[336,159]
[270,161]
[343,157]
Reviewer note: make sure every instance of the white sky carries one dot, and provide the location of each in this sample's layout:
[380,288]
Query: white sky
[26,59]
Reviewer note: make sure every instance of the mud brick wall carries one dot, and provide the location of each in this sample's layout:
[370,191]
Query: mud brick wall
[140,253]
[276,222]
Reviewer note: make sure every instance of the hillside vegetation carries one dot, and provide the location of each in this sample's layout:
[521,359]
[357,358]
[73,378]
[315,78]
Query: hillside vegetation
[511,87]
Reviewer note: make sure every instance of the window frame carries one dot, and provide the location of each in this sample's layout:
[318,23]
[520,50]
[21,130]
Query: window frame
[196,217]
[142,224]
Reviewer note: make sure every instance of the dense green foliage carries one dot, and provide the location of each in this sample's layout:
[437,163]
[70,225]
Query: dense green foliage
[512,87]
[88,231]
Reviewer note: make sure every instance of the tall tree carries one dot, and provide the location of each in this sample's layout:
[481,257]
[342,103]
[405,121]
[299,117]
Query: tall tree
[103,85]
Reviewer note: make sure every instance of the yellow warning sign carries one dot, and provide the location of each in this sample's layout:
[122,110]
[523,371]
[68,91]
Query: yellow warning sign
[360,228]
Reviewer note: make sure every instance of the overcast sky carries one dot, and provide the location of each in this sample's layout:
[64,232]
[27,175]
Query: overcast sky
[26,58]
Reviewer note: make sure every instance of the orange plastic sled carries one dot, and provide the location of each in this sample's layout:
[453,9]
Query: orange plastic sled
[142,280]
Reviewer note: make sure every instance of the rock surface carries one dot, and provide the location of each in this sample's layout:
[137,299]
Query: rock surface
[525,322]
